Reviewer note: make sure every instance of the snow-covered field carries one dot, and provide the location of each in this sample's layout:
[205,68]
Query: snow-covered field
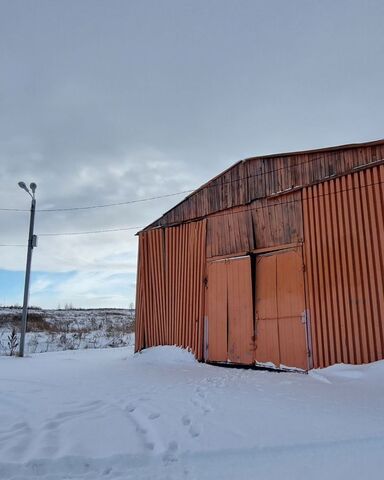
[67,329]
[110,414]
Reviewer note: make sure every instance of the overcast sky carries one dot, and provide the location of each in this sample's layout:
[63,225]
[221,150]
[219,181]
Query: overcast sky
[110,101]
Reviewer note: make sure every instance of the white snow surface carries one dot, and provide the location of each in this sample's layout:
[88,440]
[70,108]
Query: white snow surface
[68,329]
[110,414]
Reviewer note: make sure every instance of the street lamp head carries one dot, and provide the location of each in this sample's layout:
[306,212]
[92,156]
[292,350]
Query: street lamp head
[33,187]
[23,186]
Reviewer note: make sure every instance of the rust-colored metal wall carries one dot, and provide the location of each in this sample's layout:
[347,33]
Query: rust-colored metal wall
[344,255]
[170,291]
[330,202]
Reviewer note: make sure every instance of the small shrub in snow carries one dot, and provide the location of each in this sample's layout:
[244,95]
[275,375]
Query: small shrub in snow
[13,342]
[33,343]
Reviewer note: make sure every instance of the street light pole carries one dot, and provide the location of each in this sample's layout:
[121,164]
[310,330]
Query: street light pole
[32,242]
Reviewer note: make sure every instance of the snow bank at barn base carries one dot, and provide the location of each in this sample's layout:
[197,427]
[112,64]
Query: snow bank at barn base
[166,355]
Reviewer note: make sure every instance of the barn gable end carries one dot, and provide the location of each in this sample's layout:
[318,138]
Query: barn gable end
[314,217]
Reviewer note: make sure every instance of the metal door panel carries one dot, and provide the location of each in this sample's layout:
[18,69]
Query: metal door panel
[280,306]
[217,312]
[291,306]
[267,337]
[240,311]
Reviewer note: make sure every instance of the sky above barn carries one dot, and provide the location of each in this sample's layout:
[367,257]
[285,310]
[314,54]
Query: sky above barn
[114,101]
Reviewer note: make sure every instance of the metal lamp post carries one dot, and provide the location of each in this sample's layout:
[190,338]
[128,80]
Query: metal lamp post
[32,242]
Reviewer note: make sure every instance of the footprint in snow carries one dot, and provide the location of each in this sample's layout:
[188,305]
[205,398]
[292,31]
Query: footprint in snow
[153,416]
[186,420]
[51,425]
[141,429]
[200,392]
[170,454]
[150,445]
[130,408]
[194,431]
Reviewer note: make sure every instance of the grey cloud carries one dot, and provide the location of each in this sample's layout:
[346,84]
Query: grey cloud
[103,102]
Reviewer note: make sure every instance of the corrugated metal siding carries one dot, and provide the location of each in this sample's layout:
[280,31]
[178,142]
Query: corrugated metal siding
[170,295]
[344,254]
[291,309]
[140,301]
[150,309]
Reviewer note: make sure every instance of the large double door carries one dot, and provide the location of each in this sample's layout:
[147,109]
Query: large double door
[256,310]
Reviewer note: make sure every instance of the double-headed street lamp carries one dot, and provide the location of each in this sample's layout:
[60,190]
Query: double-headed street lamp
[32,242]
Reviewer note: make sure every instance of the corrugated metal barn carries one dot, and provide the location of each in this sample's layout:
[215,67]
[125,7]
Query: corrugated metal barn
[278,260]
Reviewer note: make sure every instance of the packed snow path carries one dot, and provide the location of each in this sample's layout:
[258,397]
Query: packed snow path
[109,414]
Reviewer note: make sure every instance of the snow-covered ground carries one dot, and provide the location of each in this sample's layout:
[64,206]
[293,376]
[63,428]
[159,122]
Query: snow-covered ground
[110,414]
[68,329]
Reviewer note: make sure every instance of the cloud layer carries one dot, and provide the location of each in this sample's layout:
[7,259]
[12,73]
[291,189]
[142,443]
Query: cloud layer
[104,102]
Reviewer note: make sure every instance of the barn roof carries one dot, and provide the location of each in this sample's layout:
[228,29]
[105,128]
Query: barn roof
[172,216]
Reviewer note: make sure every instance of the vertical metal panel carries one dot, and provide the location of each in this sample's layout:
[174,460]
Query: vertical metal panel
[146,297]
[230,311]
[280,307]
[151,318]
[344,254]
[139,330]
[217,312]
[267,335]
[291,309]
[241,343]
[170,286]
